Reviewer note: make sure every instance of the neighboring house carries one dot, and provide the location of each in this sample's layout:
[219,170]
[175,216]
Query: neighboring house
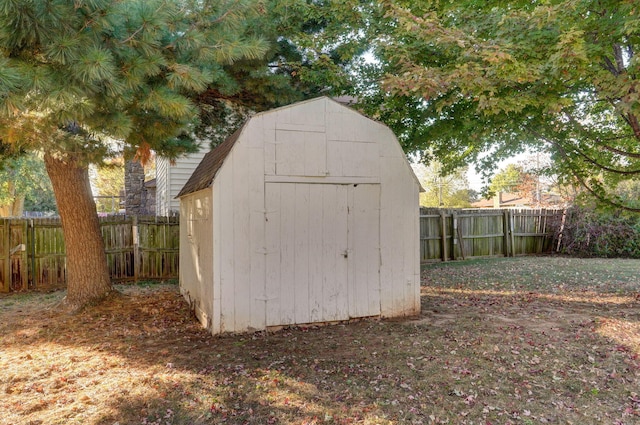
[150,199]
[172,176]
[515,200]
[307,214]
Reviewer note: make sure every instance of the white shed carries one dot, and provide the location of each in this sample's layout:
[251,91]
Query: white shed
[307,214]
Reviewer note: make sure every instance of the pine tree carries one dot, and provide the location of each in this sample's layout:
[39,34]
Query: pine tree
[76,76]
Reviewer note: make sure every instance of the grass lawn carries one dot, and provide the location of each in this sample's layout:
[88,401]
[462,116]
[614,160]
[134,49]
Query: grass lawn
[500,341]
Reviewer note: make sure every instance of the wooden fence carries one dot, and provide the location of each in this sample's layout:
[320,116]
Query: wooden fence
[461,234]
[32,251]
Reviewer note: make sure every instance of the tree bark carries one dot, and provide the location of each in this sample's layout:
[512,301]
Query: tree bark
[88,277]
[16,207]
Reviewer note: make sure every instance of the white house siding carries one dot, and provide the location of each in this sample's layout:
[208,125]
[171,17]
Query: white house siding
[314,219]
[170,178]
[162,182]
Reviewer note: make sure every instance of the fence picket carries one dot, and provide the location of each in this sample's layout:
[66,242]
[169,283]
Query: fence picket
[486,233]
[147,247]
[32,252]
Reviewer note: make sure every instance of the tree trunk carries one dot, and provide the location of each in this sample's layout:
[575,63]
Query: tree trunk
[88,277]
[16,207]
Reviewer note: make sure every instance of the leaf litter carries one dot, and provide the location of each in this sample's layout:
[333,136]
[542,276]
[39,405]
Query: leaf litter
[499,341]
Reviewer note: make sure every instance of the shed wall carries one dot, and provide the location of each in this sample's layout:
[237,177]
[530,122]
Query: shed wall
[196,254]
[239,217]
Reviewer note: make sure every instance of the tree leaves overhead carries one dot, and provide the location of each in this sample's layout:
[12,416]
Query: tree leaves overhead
[312,48]
[467,78]
[125,69]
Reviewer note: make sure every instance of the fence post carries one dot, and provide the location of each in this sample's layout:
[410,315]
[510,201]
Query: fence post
[443,235]
[561,232]
[6,283]
[136,248]
[31,250]
[512,226]
[454,240]
[505,231]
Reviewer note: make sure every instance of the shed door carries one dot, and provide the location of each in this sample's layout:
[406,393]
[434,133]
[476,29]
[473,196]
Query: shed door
[323,252]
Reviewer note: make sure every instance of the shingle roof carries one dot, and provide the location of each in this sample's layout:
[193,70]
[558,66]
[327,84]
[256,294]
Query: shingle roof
[206,171]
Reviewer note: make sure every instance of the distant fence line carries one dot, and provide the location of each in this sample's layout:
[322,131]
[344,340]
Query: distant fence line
[32,251]
[461,234]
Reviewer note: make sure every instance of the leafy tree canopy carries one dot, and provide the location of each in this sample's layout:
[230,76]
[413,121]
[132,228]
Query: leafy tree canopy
[508,179]
[108,181]
[464,78]
[24,184]
[313,47]
[444,191]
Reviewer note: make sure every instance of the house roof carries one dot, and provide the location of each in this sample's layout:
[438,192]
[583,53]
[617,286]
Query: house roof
[512,200]
[506,200]
[206,171]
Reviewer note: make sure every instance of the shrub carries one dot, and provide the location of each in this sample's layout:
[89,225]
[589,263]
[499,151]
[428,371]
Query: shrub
[589,232]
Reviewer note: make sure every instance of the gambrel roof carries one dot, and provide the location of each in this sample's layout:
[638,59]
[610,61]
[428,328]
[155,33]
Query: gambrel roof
[206,171]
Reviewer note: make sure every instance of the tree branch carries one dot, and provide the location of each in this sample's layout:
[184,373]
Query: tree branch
[629,118]
[587,157]
[584,184]
[621,152]
[609,66]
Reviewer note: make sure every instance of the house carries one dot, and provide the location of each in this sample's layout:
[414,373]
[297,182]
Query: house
[515,200]
[171,176]
[307,214]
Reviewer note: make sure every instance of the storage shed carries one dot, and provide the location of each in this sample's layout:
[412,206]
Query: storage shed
[307,214]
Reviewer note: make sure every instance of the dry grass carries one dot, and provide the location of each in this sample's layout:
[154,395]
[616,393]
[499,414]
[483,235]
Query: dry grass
[506,341]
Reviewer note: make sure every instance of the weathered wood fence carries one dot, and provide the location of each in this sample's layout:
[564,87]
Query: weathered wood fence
[32,251]
[460,234]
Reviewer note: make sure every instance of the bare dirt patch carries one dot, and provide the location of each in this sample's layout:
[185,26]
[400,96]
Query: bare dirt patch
[490,347]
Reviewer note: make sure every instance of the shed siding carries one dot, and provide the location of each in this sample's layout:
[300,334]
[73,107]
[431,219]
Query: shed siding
[239,271]
[400,268]
[196,254]
[256,241]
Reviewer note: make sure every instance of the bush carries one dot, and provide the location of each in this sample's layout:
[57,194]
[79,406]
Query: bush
[589,232]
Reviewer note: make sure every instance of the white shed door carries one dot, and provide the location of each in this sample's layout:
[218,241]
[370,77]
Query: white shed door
[323,252]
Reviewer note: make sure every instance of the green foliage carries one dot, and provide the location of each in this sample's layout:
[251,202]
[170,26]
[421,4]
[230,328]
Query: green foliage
[443,191]
[507,179]
[464,78]
[591,232]
[109,181]
[75,74]
[312,48]
[25,176]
